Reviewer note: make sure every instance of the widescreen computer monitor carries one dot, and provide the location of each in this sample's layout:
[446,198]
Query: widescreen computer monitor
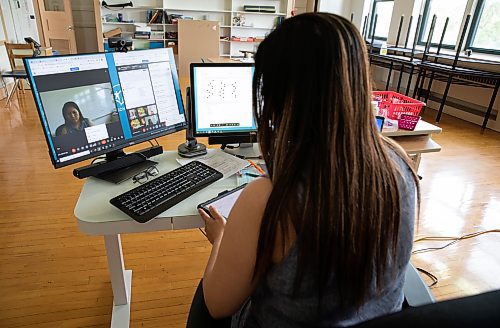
[221,98]
[95,104]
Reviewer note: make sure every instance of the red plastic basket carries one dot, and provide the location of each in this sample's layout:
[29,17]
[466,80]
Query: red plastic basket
[408,122]
[392,104]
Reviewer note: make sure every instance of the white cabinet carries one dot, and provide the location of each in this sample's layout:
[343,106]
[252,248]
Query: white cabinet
[240,29]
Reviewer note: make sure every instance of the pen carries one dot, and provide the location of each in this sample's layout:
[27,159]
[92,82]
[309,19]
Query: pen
[253,175]
[261,171]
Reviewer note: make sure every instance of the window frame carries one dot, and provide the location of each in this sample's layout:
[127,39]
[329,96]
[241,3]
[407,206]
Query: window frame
[476,18]
[372,21]
[426,19]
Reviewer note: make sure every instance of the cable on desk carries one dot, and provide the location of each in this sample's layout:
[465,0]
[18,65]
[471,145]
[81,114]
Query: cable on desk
[454,240]
[98,158]
[152,144]
[430,275]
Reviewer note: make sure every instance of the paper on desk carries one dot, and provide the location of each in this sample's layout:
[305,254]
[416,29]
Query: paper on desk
[223,162]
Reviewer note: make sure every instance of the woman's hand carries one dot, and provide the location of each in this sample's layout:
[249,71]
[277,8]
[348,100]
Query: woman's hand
[214,226]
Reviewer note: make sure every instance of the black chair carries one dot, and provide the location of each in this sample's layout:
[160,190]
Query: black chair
[481,310]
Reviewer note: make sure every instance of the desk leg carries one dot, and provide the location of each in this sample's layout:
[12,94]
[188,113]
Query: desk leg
[416,160]
[121,281]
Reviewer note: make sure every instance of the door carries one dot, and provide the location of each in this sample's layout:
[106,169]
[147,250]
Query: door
[57,25]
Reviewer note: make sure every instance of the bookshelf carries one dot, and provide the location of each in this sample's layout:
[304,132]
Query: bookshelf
[235,22]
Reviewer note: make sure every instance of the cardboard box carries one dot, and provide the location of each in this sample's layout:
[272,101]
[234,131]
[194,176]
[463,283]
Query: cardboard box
[114,32]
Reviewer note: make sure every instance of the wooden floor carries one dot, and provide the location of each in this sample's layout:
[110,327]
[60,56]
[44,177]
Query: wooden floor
[52,275]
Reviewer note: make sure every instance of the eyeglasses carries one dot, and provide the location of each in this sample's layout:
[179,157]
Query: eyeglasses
[143,176]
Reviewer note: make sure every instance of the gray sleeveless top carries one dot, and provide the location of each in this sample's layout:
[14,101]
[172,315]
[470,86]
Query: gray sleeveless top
[272,304]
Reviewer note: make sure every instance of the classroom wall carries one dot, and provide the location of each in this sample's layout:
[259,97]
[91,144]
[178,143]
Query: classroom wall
[339,7]
[4,59]
[360,8]
[16,23]
[20,20]
[5,30]
[407,8]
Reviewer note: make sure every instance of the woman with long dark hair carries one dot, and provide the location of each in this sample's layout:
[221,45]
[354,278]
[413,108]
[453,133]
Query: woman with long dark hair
[325,239]
[73,119]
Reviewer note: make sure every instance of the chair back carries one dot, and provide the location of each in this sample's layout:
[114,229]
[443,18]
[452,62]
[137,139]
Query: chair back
[16,53]
[461,42]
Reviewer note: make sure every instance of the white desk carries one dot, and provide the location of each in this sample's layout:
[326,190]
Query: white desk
[422,128]
[418,141]
[96,216]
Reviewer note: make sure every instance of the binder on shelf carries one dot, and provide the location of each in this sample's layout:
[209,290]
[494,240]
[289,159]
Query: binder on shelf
[142,35]
[142,28]
[157,35]
[156,17]
[153,18]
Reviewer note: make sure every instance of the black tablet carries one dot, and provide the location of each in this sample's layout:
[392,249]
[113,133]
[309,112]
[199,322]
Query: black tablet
[224,202]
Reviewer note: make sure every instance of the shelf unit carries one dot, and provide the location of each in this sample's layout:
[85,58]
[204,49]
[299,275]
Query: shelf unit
[226,12]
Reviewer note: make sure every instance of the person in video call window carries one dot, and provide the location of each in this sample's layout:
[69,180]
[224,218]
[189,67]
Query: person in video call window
[73,119]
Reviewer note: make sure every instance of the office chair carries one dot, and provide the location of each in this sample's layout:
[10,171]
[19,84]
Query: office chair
[415,289]
[473,311]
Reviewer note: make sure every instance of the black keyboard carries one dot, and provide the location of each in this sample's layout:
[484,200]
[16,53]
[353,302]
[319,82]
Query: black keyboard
[156,196]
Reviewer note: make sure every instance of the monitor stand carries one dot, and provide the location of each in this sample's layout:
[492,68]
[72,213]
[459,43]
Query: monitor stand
[119,166]
[191,148]
[243,150]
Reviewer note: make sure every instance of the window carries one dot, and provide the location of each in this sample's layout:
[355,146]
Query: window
[484,35]
[454,9]
[382,8]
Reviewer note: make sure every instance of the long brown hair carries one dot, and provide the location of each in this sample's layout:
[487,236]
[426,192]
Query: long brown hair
[334,181]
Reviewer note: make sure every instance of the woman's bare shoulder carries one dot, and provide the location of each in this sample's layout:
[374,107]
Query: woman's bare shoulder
[262,184]
[257,192]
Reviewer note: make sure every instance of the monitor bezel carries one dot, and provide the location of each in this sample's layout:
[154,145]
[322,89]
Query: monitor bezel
[46,131]
[192,116]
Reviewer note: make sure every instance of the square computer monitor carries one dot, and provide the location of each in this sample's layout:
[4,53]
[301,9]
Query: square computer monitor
[94,104]
[221,97]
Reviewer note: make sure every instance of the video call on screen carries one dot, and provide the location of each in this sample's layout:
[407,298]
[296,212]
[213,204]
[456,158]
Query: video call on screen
[93,103]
